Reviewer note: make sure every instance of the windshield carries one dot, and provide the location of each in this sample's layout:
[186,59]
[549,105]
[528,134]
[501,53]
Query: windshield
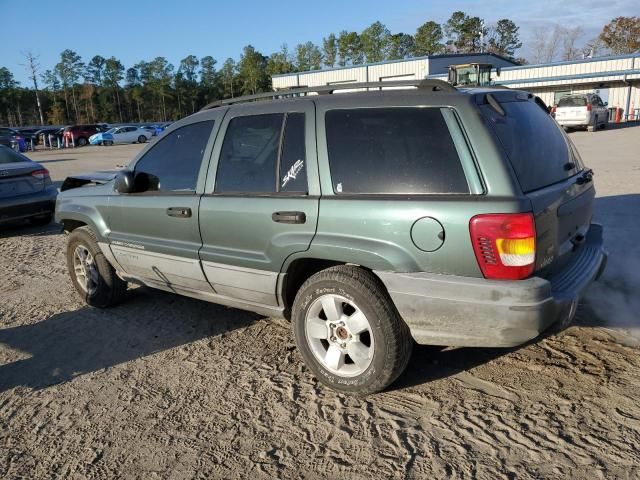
[572,102]
[111,130]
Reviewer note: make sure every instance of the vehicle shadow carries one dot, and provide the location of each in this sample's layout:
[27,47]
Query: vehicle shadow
[25,227]
[55,160]
[69,344]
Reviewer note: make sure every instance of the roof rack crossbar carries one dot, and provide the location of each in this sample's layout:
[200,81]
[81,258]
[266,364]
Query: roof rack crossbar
[430,84]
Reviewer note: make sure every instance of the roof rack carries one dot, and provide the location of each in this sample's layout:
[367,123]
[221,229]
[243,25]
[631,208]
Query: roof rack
[428,84]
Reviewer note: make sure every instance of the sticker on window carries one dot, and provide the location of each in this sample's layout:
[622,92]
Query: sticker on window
[293,172]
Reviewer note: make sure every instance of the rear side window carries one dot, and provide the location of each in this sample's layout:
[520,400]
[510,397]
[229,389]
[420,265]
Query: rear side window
[534,143]
[173,164]
[392,151]
[572,102]
[9,156]
[293,172]
[249,154]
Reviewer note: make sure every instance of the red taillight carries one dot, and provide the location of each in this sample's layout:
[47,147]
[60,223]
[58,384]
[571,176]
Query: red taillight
[589,107]
[504,244]
[40,174]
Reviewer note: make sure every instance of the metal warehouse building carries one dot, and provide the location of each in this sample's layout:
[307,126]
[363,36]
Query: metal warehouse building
[616,79]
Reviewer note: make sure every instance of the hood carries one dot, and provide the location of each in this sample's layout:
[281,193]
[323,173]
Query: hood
[98,178]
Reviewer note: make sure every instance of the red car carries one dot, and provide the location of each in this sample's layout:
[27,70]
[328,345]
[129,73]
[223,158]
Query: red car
[79,134]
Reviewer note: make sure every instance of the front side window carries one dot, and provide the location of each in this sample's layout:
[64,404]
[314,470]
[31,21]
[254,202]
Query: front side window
[392,151]
[173,164]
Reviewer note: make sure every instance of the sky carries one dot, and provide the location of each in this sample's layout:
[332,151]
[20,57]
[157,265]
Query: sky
[138,30]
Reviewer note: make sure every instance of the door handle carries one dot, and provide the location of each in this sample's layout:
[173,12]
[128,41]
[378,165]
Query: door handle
[289,217]
[183,212]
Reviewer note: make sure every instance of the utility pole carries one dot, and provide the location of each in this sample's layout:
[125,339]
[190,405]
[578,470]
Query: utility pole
[32,66]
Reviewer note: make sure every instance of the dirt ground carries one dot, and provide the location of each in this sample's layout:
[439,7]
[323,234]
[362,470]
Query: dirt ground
[169,387]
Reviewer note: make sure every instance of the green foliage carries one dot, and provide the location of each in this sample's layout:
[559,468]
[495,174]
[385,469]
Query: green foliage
[505,39]
[428,39]
[330,50]
[308,56]
[375,42]
[350,49]
[463,32]
[401,45]
[252,71]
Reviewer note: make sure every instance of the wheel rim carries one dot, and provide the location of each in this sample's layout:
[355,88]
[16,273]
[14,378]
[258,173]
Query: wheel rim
[339,335]
[85,269]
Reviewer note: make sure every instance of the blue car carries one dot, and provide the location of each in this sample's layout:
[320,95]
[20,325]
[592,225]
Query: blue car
[13,139]
[26,190]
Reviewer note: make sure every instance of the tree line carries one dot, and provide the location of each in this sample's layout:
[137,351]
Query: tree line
[104,90]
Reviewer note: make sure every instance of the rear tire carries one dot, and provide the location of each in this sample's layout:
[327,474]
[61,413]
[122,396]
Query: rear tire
[142,139]
[94,278]
[82,142]
[107,143]
[349,332]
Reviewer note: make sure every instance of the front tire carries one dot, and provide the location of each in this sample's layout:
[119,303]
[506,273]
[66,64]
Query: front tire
[349,332]
[92,275]
[82,142]
[142,139]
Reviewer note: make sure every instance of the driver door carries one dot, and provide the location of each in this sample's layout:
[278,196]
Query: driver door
[155,235]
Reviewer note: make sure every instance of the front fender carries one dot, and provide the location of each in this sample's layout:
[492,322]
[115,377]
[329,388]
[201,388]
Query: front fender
[92,212]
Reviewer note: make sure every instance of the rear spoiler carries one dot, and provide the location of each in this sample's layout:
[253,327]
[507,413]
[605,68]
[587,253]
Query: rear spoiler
[83,179]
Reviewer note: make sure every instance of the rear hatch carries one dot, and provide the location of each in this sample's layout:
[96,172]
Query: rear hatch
[17,175]
[550,173]
[572,109]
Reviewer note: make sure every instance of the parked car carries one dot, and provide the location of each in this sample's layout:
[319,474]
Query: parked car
[12,139]
[371,219]
[582,111]
[79,134]
[29,135]
[44,134]
[125,134]
[26,190]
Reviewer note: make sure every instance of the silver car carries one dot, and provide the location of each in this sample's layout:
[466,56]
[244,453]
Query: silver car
[582,111]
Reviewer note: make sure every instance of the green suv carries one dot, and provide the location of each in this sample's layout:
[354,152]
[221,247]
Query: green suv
[372,219]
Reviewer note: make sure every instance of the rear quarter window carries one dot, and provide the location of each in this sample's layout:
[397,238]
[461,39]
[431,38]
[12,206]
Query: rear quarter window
[392,151]
[533,142]
[572,102]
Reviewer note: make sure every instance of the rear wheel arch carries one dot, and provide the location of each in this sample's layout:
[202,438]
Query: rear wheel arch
[301,269]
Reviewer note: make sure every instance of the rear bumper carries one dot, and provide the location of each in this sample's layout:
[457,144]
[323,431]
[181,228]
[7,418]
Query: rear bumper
[26,206]
[463,311]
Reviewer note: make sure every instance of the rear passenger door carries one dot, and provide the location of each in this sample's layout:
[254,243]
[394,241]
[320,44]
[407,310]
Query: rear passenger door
[261,198]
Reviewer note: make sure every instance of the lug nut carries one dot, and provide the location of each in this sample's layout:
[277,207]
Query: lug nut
[333,339]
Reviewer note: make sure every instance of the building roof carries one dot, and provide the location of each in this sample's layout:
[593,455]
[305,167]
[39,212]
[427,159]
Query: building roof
[412,59]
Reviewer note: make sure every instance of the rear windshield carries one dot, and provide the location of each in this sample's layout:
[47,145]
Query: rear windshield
[9,156]
[535,145]
[572,102]
[392,150]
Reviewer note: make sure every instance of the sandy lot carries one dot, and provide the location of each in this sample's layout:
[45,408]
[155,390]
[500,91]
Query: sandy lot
[168,387]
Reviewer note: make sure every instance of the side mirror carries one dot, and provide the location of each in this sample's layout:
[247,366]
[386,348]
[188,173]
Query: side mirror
[124,182]
[606,104]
